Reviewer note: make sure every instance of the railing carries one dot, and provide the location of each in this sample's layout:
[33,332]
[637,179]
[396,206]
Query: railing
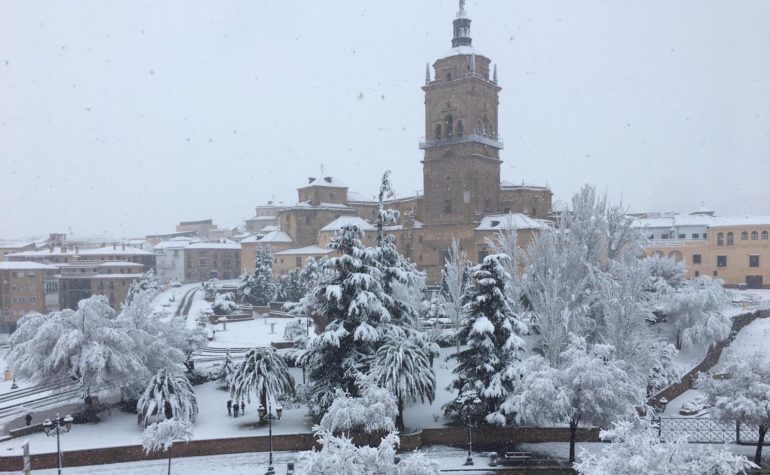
[698,430]
[496,142]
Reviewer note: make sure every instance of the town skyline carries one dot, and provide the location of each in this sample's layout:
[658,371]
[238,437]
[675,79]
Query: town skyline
[662,127]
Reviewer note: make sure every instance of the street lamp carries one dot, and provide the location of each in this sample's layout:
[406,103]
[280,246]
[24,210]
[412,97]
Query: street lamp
[56,427]
[262,412]
[467,405]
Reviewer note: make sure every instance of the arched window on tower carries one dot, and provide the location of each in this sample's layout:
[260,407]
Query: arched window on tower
[720,239]
[754,235]
[438,132]
[460,128]
[449,125]
[485,126]
[729,239]
[744,236]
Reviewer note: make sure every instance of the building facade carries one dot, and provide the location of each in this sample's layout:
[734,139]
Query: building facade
[23,290]
[212,260]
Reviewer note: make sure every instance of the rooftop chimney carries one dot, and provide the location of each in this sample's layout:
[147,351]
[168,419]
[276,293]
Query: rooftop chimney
[328,179]
[123,246]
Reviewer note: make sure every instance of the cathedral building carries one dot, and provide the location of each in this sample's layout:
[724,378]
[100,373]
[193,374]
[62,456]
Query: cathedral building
[463,195]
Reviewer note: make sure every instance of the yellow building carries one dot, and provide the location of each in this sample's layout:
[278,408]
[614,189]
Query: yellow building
[23,290]
[734,249]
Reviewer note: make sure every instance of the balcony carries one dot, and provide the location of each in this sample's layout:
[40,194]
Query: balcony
[495,142]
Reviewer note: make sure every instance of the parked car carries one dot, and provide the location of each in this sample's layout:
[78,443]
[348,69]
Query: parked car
[176,283]
[694,407]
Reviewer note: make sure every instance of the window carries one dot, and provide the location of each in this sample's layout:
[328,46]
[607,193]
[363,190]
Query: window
[664,236]
[437,134]
[705,236]
[764,235]
[695,235]
[754,235]
[715,273]
[681,236]
[460,128]
[449,125]
[419,238]
[447,206]
[482,255]
[696,258]
[753,261]
[298,261]
[721,261]
[730,239]
[720,239]
[697,273]
[21,300]
[744,236]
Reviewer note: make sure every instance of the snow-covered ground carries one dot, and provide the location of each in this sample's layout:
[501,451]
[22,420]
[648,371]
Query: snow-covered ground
[258,332]
[561,449]
[237,464]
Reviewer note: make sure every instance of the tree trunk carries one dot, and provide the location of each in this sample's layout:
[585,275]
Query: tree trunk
[263,398]
[169,461]
[572,434]
[400,415]
[678,339]
[758,455]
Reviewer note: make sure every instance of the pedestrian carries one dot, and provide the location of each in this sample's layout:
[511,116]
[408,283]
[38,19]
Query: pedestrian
[28,419]
[243,408]
[229,407]
[235,409]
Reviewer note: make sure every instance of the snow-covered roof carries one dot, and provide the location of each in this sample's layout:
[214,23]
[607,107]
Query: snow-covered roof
[120,263]
[24,265]
[276,236]
[263,218]
[505,184]
[499,222]
[118,249]
[16,244]
[360,197]
[399,227]
[343,221]
[328,182]
[115,276]
[309,205]
[309,250]
[215,245]
[270,228]
[457,50]
[176,243]
[723,221]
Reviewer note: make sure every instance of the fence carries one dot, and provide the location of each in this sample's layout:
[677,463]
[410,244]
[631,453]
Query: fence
[704,430]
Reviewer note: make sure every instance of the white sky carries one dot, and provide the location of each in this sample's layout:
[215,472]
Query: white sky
[125,117]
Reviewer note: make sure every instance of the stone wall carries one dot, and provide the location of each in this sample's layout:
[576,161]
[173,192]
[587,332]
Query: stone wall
[484,438]
[711,358]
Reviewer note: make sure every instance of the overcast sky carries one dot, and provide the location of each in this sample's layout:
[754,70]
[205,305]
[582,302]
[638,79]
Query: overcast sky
[124,117]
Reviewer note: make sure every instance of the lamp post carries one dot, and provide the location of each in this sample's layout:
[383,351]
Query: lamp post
[266,411]
[467,404]
[56,427]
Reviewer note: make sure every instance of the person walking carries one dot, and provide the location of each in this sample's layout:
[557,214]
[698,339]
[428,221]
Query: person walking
[243,408]
[229,407]
[235,409]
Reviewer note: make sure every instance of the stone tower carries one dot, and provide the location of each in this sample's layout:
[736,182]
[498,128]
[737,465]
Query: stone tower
[461,168]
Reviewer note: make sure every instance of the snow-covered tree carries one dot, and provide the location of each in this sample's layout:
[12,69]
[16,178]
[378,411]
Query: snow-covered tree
[162,435]
[695,311]
[224,304]
[589,387]
[743,395]
[289,287]
[404,369]
[228,369]
[155,341]
[340,455]
[264,373]
[168,395]
[148,282]
[86,345]
[373,411]
[188,339]
[351,298]
[635,448]
[454,280]
[258,288]
[666,273]
[493,333]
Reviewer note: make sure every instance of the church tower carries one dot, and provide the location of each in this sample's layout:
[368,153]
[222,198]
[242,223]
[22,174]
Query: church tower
[461,167]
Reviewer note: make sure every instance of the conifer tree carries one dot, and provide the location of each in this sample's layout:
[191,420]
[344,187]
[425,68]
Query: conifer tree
[258,288]
[492,332]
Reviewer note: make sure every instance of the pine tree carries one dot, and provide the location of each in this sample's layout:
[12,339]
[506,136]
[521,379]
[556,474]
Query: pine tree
[351,299]
[169,395]
[493,335]
[228,369]
[258,288]
[454,281]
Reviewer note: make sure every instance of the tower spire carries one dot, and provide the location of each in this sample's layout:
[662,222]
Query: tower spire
[462,28]
[427,73]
